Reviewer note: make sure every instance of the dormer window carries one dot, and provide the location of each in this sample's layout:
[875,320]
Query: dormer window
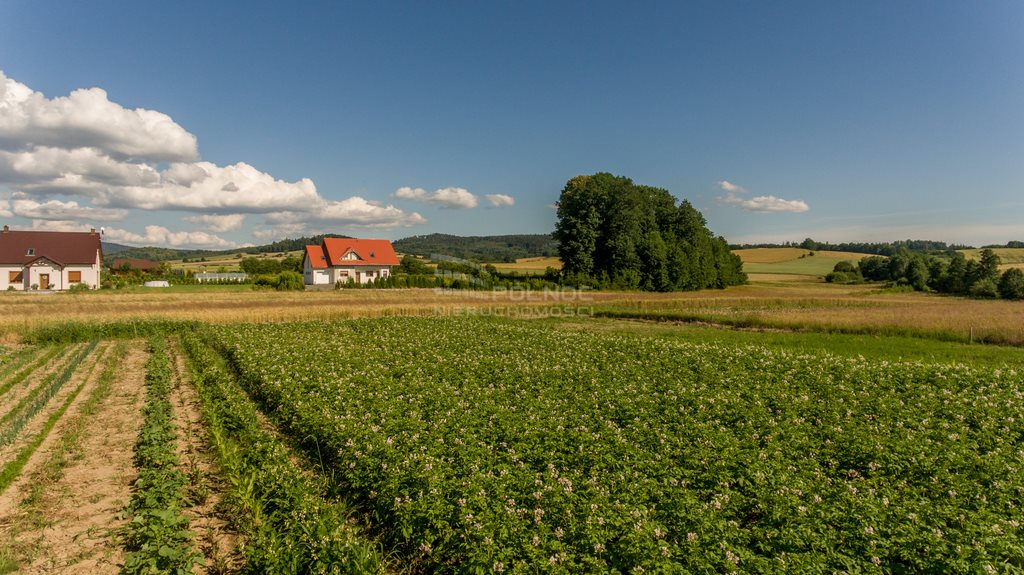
[30,252]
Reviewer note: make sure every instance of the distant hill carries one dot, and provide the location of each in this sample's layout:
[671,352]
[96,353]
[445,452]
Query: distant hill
[166,254]
[110,249]
[793,261]
[480,248]
[870,248]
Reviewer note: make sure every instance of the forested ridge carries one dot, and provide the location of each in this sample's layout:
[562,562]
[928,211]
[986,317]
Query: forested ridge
[506,248]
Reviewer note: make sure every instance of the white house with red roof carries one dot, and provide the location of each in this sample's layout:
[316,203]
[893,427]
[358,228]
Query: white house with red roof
[347,259]
[49,260]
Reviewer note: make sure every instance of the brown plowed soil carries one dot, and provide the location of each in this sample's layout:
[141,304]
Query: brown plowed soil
[67,523]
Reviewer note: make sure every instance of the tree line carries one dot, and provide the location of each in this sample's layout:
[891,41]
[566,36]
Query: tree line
[616,234]
[873,248]
[507,248]
[949,272]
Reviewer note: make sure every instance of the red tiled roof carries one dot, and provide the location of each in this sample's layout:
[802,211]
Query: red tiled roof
[62,247]
[370,252]
[316,257]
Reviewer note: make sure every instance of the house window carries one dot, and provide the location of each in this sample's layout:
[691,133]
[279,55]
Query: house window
[13,277]
[30,252]
[74,277]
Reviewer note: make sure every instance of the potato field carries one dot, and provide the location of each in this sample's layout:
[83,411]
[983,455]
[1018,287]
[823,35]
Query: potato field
[486,445]
[481,446]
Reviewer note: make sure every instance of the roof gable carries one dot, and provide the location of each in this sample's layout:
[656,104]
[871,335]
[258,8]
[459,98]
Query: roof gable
[316,257]
[368,252]
[64,247]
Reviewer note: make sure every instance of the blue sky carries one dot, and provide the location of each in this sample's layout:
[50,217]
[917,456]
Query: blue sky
[840,121]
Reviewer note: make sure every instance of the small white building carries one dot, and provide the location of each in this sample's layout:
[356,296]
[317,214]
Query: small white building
[346,259]
[49,260]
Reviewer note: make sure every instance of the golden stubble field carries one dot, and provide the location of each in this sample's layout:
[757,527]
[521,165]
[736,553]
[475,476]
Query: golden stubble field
[775,301]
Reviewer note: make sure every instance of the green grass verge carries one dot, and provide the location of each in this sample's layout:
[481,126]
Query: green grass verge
[875,346]
[70,332]
[751,321]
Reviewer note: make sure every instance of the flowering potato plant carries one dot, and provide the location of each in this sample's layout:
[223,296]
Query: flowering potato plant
[480,445]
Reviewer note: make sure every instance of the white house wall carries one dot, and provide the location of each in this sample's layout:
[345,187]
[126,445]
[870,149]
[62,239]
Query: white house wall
[313,276]
[90,276]
[58,277]
[5,274]
[365,275]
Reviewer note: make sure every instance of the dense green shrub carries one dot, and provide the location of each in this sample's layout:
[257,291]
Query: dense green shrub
[1011,285]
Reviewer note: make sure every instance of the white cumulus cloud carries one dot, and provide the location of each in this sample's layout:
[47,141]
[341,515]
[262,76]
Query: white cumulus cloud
[236,188]
[88,119]
[217,223]
[161,236]
[59,210]
[500,200]
[762,204]
[60,226]
[351,212]
[452,198]
[111,159]
[730,187]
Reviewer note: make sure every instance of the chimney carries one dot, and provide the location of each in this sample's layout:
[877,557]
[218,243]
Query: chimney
[92,230]
[6,228]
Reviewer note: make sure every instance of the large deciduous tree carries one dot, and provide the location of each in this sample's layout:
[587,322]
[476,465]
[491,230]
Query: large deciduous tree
[616,233]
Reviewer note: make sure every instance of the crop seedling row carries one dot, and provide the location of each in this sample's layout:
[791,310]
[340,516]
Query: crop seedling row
[291,522]
[13,468]
[158,537]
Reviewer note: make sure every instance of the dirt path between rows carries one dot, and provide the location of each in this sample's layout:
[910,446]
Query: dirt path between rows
[215,537]
[67,527]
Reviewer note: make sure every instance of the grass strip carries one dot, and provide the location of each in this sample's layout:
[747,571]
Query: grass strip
[157,538]
[20,377]
[756,322]
[11,471]
[291,521]
[71,332]
[16,419]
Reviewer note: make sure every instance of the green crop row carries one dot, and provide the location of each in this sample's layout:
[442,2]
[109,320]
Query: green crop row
[20,376]
[479,445]
[291,520]
[10,361]
[14,420]
[158,537]
[14,467]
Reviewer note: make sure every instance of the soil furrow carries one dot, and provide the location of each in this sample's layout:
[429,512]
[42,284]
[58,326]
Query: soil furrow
[34,425]
[66,511]
[13,396]
[215,537]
